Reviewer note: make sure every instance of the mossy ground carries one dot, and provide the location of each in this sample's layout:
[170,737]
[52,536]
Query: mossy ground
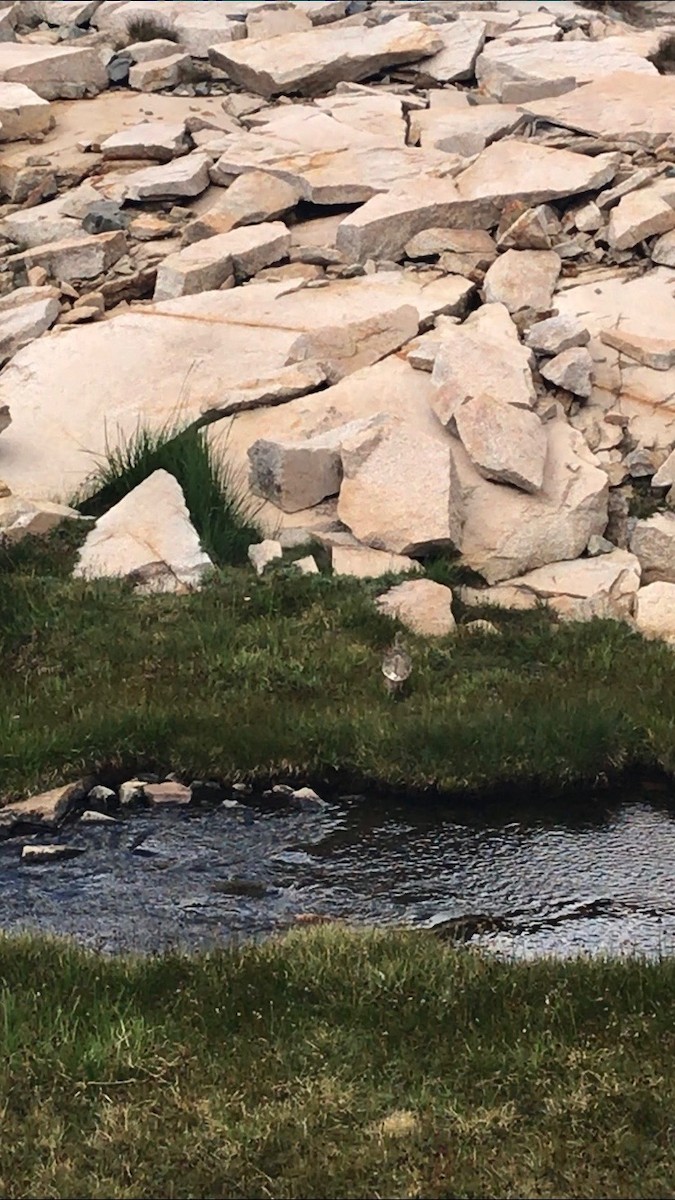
[280,677]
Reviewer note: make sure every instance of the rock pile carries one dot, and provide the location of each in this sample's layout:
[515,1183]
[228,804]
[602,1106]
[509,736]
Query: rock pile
[413,264]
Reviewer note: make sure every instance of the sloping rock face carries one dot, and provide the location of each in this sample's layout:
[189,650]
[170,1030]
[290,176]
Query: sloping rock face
[412,265]
[149,526]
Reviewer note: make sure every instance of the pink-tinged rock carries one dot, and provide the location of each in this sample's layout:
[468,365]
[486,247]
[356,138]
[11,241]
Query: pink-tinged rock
[655,611]
[421,605]
[314,62]
[505,443]
[507,532]
[523,279]
[405,496]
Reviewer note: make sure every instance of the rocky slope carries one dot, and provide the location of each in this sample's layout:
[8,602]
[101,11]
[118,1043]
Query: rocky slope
[414,265]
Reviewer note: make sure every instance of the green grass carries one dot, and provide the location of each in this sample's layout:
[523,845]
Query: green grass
[333,1064]
[215,497]
[279,677]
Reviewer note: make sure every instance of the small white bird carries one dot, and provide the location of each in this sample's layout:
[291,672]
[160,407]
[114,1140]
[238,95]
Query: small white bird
[396,666]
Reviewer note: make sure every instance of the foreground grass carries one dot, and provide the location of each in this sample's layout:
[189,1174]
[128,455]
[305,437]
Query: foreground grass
[332,1063]
[280,676]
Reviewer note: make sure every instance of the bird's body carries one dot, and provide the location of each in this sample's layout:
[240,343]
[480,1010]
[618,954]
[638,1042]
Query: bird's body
[396,665]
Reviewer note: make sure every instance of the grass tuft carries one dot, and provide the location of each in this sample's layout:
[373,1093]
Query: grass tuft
[146,28]
[332,1063]
[664,58]
[224,519]
[631,11]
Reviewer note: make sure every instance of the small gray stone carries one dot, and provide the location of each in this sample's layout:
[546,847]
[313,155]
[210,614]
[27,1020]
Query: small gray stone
[261,554]
[105,216]
[118,68]
[599,545]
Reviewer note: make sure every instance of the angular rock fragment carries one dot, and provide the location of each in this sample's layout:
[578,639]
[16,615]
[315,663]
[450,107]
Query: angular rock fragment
[655,352]
[25,314]
[532,229]
[663,250]
[480,356]
[45,810]
[49,853]
[626,104]
[253,197]
[75,258]
[653,542]
[578,590]
[186,176]
[298,475]
[150,525]
[65,72]
[204,26]
[361,562]
[355,344]
[504,442]
[507,532]
[382,227]
[463,41]
[421,605]
[207,265]
[523,279]
[405,496]
[294,476]
[556,334]
[655,611]
[516,74]
[159,141]
[20,518]
[23,114]
[637,216]
[264,553]
[314,62]
[533,174]
[571,370]
[156,74]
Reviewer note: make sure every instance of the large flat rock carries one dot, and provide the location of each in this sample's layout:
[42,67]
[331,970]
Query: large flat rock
[578,589]
[515,74]
[316,61]
[73,393]
[55,71]
[513,170]
[624,106]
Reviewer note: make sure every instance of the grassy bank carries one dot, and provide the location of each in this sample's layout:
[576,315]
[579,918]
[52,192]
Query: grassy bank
[280,676]
[333,1064]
